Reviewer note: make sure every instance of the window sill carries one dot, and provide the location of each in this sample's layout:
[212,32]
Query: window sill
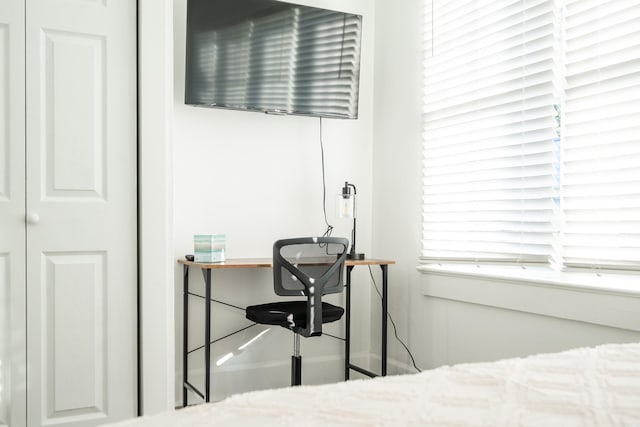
[621,284]
[609,299]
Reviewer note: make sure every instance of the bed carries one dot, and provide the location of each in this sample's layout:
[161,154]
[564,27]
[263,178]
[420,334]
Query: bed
[597,386]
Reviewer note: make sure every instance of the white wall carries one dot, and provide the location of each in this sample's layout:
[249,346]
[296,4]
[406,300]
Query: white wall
[397,158]
[257,178]
[441,326]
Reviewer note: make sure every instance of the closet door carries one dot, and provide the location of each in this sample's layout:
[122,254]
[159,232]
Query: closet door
[81,211]
[12,227]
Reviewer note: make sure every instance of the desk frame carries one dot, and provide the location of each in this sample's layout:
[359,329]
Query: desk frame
[347,344]
[267,263]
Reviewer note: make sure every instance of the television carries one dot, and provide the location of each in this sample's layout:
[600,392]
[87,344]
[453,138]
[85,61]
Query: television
[273,57]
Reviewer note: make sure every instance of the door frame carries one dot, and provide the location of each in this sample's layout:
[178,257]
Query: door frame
[156,337]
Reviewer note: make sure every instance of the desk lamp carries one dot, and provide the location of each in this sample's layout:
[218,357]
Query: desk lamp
[347,209]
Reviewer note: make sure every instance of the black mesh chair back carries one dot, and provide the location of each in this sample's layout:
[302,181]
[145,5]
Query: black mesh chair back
[318,260]
[307,267]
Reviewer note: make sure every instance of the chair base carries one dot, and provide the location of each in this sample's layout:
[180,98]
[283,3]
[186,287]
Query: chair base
[296,370]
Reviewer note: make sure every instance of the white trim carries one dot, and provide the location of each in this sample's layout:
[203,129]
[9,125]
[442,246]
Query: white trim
[614,303]
[626,284]
[155,175]
[394,367]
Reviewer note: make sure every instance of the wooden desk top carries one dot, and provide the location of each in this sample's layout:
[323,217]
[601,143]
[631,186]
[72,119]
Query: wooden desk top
[368,261]
[268,263]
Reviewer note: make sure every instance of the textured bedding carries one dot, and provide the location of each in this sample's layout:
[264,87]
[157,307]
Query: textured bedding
[583,387]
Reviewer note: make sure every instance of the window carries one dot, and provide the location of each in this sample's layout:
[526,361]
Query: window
[532,132]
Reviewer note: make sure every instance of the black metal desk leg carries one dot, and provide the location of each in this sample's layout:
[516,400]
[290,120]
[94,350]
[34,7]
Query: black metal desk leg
[185,332]
[347,341]
[384,319]
[207,333]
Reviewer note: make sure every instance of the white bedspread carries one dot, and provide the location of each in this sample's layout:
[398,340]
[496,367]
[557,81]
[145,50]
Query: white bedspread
[583,387]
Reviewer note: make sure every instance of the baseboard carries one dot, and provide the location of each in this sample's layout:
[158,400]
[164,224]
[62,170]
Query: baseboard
[394,367]
[230,379]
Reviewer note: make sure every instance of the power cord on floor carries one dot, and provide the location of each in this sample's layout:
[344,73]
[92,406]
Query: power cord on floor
[395,329]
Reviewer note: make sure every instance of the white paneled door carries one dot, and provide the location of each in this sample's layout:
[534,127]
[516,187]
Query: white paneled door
[12,226]
[68,262]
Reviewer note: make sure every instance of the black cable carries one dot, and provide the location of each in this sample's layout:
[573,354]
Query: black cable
[329,229]
[395,329]
[328,232]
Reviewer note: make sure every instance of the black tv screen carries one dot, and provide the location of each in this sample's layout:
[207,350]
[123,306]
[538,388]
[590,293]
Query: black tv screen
[271,56]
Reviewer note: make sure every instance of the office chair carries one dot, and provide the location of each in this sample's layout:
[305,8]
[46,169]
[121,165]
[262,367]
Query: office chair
[310,267]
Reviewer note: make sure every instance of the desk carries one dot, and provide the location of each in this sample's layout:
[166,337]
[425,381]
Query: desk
[267,263]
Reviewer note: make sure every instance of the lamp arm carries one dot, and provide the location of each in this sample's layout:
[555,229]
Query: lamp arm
[353,237]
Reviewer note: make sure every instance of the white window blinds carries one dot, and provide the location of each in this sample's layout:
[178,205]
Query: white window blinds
[490,131]
[532,132]
[601,144]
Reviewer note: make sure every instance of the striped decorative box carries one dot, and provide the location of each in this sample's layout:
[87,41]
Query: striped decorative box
[209,247]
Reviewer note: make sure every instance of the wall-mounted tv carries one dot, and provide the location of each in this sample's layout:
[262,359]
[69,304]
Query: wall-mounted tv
[271,56]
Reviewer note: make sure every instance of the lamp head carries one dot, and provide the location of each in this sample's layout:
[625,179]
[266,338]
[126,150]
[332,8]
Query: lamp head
[346,190]
[346,203]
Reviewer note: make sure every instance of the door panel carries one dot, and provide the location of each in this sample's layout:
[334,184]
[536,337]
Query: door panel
[12,227]
[81,197]
[74,116]
[75,381]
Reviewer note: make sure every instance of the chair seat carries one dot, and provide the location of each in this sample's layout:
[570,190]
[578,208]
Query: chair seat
[290,314]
